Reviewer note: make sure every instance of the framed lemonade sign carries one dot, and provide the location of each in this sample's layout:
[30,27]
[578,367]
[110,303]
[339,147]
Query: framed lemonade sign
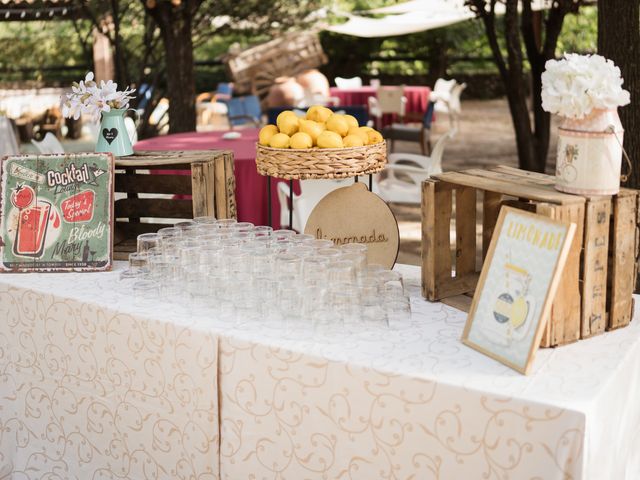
[519,279]
[56,212]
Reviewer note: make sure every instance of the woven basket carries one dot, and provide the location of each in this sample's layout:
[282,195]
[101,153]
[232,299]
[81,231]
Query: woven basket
[302,164]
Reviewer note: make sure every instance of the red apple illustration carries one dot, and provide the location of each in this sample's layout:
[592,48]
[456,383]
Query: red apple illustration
[22,196]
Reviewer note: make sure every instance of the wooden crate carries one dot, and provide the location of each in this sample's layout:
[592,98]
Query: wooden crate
[596,289]
[145,197]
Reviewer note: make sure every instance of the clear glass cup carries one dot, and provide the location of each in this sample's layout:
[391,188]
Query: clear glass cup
[262,262]
[147,241]
[169,245]
[302,250]
[139,260]
[169,232]
[398,312]
[333,254]
[302,238]
[391,283]
[262,231]
[283,234]
[190,231]
[282,245]
[359,260]
[345,300]
[243,236]
[342,272]
[203,229]
[315,271]
[235,262]
[210,220]
[146,292]
[372,303]
[243,227]
[319,244]
[288,264]
[266,292]
[226,222]
[184,224]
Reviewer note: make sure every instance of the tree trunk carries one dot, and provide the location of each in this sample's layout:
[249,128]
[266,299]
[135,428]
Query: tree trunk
[176,26]
[619,40]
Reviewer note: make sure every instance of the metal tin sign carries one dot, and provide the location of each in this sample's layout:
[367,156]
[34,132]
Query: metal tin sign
[56,212]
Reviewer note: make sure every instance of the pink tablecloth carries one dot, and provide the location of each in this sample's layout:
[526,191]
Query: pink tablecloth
[251,188]
[417,99]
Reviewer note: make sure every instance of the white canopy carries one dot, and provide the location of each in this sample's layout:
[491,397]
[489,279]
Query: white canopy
[413,16]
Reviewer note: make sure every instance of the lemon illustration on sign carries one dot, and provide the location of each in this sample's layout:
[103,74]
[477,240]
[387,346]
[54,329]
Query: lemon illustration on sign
[360,133]
[287,122]
[280,140]
[374,137]
[351,121]
[352,141]
[311,128]
[318,113]
[266,133]
[329,139]
[301,140]
[337,123]
[519,311]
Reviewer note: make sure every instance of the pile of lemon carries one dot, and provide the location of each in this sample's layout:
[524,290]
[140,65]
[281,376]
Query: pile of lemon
[320,128]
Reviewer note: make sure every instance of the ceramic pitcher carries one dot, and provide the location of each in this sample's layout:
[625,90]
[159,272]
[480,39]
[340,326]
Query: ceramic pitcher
[113,136]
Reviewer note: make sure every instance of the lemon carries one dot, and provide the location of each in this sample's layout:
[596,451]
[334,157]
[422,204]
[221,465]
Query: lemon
[329,139]
[352,141]
[374,137]
[287,122]
[311,128]
[280,140]
[366,129]
[266,133]
[301,140]
[318,113]
[351,121]
[337,123]
[360,133]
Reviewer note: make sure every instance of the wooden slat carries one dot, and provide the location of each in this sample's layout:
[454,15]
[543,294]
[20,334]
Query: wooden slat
[460,302]
[225,188]
[169,184]
[436,208]
[564,323]
[487,180]
[623,260]
[465,230]
[131,230]
[199,171]
[533,178]
[594,274]
[153,207]
[491,203]
[165,159]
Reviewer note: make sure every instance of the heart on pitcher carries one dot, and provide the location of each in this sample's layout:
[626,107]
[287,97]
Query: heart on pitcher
[110,135]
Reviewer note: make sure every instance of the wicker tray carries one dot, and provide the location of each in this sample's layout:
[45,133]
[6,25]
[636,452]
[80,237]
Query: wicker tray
[303,164]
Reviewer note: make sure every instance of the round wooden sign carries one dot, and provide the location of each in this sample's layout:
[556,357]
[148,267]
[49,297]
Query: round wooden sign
[355,215]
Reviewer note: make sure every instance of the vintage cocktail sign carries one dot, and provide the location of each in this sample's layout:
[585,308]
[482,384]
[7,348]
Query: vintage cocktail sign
[355,215]
[519,279]
[56,212]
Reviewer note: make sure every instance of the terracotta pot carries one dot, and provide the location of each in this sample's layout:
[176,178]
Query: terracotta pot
[286,92]
[590,154]
[314,83]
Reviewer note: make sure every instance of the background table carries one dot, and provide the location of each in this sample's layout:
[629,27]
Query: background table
[92,383]
[251,188]
[417,99]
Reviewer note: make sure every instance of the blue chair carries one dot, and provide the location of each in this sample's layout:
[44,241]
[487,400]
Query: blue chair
[243,110]
[407,133]
[358,111]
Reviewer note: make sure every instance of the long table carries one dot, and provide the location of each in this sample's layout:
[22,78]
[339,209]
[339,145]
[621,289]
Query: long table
[94,385]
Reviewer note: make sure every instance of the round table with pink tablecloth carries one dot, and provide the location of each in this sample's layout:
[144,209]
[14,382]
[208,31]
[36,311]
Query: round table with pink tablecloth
[417,99]
[251,188]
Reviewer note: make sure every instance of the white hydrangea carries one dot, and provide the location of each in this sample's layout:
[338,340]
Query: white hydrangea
[89,98]
[577,84]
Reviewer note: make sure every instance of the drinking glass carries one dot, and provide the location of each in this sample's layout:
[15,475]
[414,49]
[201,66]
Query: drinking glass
[138,260]
[342,272]
[288,264]
[283,233]
[262,231]
[332,254]
[147,241]
[344,299]
[359,260]
[211,220]
[302,250]
[243,227]
[146,292]
[354,247]
[320,244]
[184,224]
[314,271]
[169,232]
[226,222]
[303,238]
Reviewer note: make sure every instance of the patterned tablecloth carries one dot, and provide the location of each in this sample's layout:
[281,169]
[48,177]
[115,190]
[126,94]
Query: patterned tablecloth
[93,386]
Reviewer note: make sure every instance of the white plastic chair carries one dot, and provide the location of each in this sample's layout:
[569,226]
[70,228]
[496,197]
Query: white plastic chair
[441,94]
[455,106]
[387,100]
[353,82]
[132,131]
[312,191]
[406,171]
[48,145]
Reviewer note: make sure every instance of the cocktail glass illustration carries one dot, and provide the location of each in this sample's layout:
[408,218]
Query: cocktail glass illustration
[31,233]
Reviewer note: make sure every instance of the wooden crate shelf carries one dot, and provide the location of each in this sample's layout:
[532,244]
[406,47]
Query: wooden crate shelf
[148,199]
[595,292]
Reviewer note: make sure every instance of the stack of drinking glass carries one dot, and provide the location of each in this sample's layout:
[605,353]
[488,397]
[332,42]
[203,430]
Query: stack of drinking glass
[242,271]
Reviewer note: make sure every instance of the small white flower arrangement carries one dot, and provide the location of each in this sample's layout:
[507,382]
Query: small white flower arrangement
[90,98]
[578,84]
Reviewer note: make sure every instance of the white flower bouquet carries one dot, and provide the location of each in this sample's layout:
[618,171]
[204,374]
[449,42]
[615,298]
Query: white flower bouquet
[90,98]
[578,84]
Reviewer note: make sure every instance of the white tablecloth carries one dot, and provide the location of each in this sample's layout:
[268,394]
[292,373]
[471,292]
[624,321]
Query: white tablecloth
[93,386]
